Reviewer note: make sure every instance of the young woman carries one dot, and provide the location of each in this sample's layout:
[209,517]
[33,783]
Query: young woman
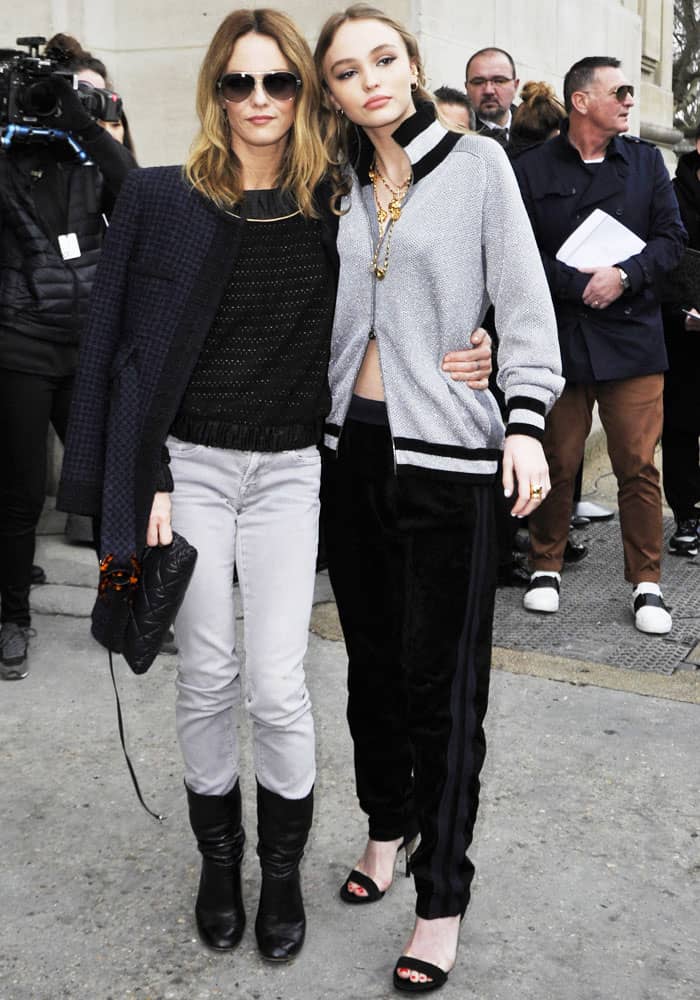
[211,329]
[434,231]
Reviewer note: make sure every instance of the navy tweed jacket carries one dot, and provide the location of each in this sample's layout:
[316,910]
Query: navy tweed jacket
[167,259]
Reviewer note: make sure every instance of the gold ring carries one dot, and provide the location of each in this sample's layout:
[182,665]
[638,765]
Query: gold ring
[535,492]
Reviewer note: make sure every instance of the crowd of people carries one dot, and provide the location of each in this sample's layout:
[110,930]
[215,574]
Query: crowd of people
[570,159]
[313,351]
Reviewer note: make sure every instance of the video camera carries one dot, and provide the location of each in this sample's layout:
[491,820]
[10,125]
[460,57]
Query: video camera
[28,94]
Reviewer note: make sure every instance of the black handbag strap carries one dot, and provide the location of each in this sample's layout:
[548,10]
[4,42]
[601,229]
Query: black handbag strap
[120,721]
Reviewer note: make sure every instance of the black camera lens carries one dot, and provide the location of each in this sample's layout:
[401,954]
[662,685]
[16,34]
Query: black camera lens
[38,99]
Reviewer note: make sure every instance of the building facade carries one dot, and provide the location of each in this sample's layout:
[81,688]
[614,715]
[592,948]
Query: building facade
[153,49]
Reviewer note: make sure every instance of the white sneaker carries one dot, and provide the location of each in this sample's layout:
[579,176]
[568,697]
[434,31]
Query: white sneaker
[650,613]
[593,511]
[542,593]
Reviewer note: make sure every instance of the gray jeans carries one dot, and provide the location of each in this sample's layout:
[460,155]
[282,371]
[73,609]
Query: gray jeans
[260,511]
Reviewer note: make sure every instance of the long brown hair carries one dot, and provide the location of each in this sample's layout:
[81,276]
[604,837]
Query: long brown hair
[335,128]
[212,166]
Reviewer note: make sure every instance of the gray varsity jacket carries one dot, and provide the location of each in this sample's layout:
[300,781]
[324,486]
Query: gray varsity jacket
[463,241]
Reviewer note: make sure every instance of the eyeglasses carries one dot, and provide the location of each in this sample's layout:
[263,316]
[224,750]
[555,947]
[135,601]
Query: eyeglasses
[497,81]
[279,85]
[619,93]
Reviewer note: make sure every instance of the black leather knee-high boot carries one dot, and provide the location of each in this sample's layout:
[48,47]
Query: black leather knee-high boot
[283,826]
[216,822]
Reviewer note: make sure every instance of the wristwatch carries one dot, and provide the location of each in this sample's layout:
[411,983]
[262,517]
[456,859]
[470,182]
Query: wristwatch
[624,279]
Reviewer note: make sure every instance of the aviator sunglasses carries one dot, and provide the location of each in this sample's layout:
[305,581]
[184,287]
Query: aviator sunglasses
[619,93]
[622,91]
[279,85]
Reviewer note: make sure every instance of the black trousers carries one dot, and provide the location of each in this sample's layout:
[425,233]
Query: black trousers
[28,403]
[412,563]
[680,470]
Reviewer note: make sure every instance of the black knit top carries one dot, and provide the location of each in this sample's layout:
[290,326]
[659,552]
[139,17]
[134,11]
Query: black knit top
[260,383]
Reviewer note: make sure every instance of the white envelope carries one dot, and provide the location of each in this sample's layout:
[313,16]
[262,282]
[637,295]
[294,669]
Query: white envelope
[599,241]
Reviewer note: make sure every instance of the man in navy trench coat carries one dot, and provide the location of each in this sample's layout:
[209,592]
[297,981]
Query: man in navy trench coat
[610,328]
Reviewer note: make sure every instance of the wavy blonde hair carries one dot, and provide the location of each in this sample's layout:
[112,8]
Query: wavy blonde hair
[336,129]
[212,167]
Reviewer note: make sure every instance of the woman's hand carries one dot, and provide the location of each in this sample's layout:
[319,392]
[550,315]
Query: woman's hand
[524,462]
[471,366]
[159,531]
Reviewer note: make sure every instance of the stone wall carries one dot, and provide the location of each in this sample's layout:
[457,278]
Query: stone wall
[153,49]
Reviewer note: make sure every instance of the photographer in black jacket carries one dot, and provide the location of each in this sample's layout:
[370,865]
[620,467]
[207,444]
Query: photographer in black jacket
[53,215]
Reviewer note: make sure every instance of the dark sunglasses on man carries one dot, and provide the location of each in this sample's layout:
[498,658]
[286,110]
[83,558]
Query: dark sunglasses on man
[619,93]
[622,91]
[279,85]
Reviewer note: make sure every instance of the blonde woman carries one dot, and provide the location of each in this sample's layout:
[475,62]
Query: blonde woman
[211,339]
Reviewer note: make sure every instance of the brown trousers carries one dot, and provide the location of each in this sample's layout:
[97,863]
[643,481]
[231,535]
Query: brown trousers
[631,412]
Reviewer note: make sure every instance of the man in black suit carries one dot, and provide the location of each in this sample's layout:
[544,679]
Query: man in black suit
[609,322]
[492,83]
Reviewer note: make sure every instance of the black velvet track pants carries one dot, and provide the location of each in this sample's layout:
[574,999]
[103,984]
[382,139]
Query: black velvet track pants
[412,562]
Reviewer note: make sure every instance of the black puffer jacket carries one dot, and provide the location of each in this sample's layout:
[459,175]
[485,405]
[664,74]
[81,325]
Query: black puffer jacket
[44,192]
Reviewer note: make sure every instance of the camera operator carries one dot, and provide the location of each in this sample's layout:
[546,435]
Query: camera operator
[53,215]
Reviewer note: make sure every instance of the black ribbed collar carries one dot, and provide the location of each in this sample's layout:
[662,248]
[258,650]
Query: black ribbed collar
[425,151]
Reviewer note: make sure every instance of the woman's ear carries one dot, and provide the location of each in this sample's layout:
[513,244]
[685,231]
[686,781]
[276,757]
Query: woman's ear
[329,97]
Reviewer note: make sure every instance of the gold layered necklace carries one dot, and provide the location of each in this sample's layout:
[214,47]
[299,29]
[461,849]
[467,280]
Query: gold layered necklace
[393,214]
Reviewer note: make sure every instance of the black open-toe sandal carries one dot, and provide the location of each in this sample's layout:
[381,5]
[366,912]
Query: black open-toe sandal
[437,979]
[369,885]
[374,893]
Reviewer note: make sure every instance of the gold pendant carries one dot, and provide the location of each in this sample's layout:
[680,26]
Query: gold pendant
[395,209]
[381,215]
[379,272]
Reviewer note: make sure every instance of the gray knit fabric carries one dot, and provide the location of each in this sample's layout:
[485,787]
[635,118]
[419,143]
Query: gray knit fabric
[463,241]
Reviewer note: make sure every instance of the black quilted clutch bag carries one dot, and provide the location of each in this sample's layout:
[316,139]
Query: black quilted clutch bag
[133,613]
[166,571]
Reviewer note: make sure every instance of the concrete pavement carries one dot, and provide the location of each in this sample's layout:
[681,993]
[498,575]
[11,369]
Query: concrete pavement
[587,847]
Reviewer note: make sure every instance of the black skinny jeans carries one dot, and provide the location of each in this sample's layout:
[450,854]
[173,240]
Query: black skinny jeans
[412,563]
[28,403]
